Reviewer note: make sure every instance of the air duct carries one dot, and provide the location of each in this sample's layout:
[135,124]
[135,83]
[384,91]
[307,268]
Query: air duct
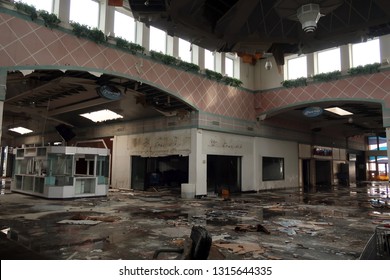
[308,16]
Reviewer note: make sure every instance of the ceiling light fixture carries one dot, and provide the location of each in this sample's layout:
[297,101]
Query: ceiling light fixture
[101,116]
[268,65]
[21,130]
[338,111]
[308,15]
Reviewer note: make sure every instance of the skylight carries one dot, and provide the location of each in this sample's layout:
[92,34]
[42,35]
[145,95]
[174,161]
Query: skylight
[21,130]
[338,111]
[101,116]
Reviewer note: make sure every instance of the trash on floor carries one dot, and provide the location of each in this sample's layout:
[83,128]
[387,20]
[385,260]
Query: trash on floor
[241,248]
[255,228]
[79,222]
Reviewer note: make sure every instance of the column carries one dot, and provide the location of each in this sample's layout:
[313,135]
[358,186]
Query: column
[172,46]
[384,45]
[345,57]
[62,10]
[198,56]
[310,65]
[142,35]
[197,163]
[102,15]
[3,89]
[109,23]
[195,55]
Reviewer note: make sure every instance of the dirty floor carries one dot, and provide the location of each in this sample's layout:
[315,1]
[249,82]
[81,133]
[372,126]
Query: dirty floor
[326,223]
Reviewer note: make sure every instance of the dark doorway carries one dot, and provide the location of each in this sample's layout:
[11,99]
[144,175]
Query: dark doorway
[223,172]
[168,171]
[323,173]
[306,173]
[361,172]
[138,171]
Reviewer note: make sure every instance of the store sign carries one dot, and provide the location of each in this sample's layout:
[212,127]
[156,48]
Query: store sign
[312,112]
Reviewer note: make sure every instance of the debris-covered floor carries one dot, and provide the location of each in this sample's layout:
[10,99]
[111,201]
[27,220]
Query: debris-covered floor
[321,224]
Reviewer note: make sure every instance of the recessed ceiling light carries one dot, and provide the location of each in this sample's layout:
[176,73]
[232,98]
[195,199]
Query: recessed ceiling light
[339,111]
[21,130]
[101,116]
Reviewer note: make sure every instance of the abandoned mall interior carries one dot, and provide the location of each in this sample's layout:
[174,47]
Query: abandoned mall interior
[243,129]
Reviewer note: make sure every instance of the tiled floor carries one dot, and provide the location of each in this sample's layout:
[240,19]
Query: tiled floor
[320,224]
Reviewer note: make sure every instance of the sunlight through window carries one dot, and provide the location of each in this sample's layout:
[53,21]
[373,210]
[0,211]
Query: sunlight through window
[296,67]
[229,66]
[124,26]
[78,9]
[329,61]
[46,5]
[185,52]
[209,60]
[158,40]
[365,53]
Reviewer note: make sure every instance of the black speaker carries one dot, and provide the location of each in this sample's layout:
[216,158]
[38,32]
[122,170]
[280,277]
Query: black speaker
[66,132]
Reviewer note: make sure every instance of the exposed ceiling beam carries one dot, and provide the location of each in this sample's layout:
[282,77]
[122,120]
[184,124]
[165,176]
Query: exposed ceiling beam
[79,106]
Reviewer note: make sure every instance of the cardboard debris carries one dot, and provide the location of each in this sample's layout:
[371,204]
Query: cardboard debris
[241,248]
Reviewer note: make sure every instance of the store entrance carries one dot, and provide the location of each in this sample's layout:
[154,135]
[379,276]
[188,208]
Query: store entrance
[159,172]
[223,172]
[323,173]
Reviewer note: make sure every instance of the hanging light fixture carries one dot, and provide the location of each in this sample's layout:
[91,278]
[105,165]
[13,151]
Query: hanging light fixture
[308,15]
[268,64]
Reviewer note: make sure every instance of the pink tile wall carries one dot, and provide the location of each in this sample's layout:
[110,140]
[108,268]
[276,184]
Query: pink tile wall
[375,87]
[26,43]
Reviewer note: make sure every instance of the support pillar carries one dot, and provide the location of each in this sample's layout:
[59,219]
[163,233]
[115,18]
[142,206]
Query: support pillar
[197,163]
[3,89]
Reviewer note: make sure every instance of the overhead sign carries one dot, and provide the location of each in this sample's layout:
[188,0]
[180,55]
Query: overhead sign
[109,92]
[312,112]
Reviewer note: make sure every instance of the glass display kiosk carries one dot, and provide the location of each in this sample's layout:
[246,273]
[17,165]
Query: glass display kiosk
[61,172]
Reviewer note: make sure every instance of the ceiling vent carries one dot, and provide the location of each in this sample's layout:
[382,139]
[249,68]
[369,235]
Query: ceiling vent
[308,16]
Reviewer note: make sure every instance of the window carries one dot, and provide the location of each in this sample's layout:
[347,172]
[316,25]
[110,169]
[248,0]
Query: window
[80,8]
[229,66]
[328,61]
[209,60]
[273,168]
[377,168]
[185,50]
[46,5]
[158,40]
[296,68]
[365,53]
[377,143]
[124,26]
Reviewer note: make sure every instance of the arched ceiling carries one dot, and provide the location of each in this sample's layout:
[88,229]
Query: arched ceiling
[263,26]
[43,99]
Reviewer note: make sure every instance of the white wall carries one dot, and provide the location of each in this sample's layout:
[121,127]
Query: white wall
[177,142]
[268,79]
[277,148]
[198,144]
